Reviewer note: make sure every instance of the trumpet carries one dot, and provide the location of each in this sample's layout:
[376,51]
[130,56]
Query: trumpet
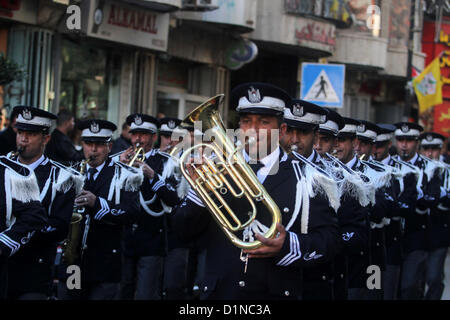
[15,155]
[214,178]
[139,155]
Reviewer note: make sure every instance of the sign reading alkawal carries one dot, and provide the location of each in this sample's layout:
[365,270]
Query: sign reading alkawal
[118,22]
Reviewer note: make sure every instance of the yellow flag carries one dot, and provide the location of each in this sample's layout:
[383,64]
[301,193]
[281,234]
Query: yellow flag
[428,86]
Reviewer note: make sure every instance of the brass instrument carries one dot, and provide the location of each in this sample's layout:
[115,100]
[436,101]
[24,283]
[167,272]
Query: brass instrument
[15,154]
[71,246]
[139,154]
[214,177]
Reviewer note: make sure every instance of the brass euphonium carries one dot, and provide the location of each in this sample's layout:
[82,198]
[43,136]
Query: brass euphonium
[214,177]
[71,246]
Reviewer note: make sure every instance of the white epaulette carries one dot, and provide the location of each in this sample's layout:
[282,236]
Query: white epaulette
[20,184]
[130,178]
[67,178]
[319,181]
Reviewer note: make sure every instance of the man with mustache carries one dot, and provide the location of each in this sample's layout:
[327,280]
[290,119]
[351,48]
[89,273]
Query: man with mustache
[417,225]
[145,241]
[111,200]
[307,234]
[30,270]
[430,146]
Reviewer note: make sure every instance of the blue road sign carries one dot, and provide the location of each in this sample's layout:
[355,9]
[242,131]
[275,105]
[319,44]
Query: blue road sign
[323,84]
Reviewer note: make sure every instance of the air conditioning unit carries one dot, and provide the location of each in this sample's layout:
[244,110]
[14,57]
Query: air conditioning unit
[199,5]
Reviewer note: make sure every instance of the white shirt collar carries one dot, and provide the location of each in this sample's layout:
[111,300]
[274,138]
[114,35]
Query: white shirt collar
[36,164]
[268,161]
[99,168]
[387,159]
[311,156]
[148,154]
[413,159]
[351,162]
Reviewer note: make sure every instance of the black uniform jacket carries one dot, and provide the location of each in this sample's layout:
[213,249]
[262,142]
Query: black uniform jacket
[312,238]
[148,235]
[417,224]
[102,232]
[21,213]
[30,270]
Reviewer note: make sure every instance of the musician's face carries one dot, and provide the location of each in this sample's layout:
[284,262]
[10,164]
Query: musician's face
[32,143]
[167,142]
[345,149]
[145,140]
[363,147]
[302,139]
[382,150]
[97,152]
[325,144]
[430,152]
[262,128]
[406,147]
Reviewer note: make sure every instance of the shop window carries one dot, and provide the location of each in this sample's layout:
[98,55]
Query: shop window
[90,81]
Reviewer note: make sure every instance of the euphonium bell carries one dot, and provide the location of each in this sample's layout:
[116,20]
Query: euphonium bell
[215,177]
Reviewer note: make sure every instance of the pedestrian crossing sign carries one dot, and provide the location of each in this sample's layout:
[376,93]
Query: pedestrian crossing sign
[323,84]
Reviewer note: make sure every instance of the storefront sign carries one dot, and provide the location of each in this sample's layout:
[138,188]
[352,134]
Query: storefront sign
[127,24]
[316,32]
[19,10]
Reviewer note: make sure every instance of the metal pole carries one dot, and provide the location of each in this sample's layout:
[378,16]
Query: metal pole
[408,98]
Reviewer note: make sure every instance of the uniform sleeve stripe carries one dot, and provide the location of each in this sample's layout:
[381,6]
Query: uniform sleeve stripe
[294,253]
[193,197]
[158,185]
[421,211]
[104,210]
[10,243]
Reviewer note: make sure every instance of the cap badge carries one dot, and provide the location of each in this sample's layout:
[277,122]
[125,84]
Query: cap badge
[27,115]
[361,128]
[95,127]
[429,137]
[138,120]
[171,124]
[253,95]
[405,128]
[297,110]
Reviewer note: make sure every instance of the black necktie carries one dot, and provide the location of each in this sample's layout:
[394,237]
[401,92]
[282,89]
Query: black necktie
[256,166]
[92,172]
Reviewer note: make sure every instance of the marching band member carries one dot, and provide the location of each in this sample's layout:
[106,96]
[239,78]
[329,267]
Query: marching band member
[417,225]
[384,206]
[145,242]
[352,214]
[430,146]
[404,193]
[111,199]
[297,136]
[308,233]
[358,255]
[30,270]
[174,279]
[22,214]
